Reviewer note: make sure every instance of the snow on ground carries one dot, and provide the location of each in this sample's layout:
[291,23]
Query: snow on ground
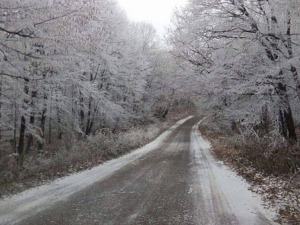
[279,193]
[21,206]
[225,191]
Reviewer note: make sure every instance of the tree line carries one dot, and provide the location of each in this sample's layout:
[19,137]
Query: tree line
[69,68]
[246,52]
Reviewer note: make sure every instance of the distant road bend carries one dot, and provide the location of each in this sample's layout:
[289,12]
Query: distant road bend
[173,181]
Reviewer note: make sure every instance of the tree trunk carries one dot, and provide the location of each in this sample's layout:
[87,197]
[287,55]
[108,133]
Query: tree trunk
[73,108]
[81,110]
[166,111]
[93,119]
[23,122]
[15,127]
[43,121]
[89,122]
[296,79]
[31,121]
[22,136]
[282,124]
[59,127]
[50,123]
[287,126]
[291,54]
[168,106]
[30,136]
[265,119]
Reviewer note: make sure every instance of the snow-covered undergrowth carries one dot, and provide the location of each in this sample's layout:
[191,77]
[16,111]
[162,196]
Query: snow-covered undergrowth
[83,154]
[279,193]
[268,165]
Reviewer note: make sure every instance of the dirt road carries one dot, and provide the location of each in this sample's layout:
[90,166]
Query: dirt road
[176,182]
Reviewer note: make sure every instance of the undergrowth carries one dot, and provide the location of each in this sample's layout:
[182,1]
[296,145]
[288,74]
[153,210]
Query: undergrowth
[39,168]
[270,154]
[268,162]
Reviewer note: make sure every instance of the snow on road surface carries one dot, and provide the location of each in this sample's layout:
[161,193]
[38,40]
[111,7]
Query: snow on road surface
[227,197]
[23,205]
[173,180]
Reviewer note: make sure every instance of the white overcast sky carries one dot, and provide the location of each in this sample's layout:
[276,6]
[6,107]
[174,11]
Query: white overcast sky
[156,12]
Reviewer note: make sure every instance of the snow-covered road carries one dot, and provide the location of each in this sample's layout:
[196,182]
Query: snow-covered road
[173,180]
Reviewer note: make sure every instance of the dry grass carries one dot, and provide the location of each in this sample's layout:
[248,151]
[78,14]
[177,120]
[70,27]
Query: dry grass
[270,154]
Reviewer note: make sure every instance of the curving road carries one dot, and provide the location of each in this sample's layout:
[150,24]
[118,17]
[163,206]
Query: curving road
[176,182]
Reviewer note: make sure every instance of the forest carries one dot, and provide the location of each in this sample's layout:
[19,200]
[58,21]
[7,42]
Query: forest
[69,69]
[80,83]
[79,73]
[72,70]
[247,53]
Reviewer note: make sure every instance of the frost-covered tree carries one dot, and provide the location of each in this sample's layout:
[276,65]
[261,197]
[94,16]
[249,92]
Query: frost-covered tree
[69,68]
[247,53]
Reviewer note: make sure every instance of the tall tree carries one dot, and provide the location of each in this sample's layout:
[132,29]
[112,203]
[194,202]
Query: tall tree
[244,49]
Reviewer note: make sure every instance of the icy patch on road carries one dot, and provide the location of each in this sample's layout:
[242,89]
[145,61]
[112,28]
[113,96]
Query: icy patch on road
[28,203]
[223,191]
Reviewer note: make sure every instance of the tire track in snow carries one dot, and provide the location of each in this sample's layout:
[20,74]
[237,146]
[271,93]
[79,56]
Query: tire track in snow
[223,197]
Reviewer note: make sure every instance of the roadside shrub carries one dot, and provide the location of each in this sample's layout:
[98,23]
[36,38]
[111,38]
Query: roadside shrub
[73,154]
[270,153]
[86,153]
